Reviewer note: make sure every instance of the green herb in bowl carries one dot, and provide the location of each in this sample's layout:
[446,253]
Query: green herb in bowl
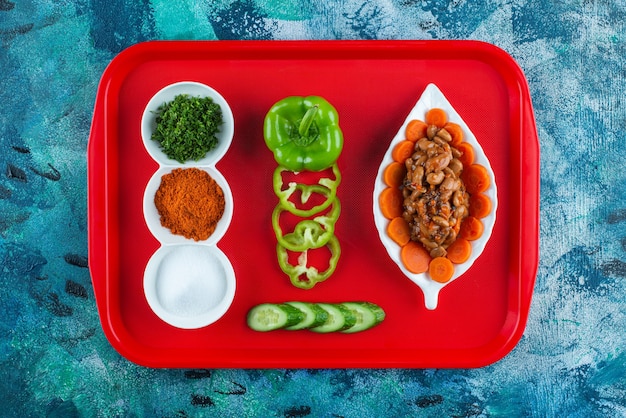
[186,127]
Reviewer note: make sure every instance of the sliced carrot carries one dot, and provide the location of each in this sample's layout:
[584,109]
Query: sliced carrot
[476,178]
[441,269]
[459,251]
[398,231]
[437,117]
[391,201]
[471,228]
[479,205]
[467,157]
[415,257]
[402,151]
[415,130]
[455,131]
[394,174]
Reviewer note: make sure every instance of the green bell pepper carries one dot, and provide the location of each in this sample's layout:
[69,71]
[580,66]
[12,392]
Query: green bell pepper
[311,274]
[303,133]
[325,186]
[308,233]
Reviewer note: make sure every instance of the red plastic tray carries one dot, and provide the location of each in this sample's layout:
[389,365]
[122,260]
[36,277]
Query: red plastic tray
[373,85]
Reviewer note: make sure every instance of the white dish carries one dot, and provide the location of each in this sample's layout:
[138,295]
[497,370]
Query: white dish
[189,286]
[193,89]
[432,97]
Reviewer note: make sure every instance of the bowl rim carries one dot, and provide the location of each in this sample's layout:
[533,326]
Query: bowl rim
[195,89]
[151,277]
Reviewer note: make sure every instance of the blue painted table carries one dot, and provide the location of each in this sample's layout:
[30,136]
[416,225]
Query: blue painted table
[54,357]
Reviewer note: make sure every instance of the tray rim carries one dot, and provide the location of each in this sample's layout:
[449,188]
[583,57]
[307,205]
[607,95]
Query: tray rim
[100,244]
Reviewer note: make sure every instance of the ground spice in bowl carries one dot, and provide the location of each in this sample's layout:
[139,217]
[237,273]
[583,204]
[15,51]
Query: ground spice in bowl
[190,203]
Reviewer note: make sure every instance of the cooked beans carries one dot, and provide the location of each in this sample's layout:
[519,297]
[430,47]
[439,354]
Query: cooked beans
[435,199]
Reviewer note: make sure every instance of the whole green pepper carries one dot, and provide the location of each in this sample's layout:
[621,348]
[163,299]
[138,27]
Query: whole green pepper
[303,133]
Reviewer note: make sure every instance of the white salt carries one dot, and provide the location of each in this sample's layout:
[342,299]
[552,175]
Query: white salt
[190,281]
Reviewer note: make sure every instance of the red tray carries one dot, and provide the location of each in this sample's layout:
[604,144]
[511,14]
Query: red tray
[373,85]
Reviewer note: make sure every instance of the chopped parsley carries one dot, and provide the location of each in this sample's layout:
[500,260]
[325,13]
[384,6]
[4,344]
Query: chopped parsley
[186,127]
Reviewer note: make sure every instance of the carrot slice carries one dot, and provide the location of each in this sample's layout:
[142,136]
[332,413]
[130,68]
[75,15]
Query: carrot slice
[476,178]
[391,201]
[441,269]
[437,117]
[398,231]
[467,158]
[402,151]
[471,228]
[394,174]
[479,205]
[455,131]
[415,257]
[459,251]
[415,130]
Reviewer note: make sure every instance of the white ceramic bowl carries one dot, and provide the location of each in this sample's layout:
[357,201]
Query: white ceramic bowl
[189,286]
[194,89]
[431,98]
[165,235]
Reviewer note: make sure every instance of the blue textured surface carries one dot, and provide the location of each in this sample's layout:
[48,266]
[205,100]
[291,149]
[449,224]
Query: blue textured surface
[54,357]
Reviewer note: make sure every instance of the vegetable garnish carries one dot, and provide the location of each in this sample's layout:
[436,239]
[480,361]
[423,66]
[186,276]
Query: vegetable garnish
[456,133]
[390,202]
[394,174]
[459,251]
[437,117]
[441,269]
[303,133]
[476,178]
[303,275]
[186,127]
[398,230]
[308,233]
[415,129]
[402,151]
[304,136]
[480,205]
[471,229]
[415,257]
[325,186]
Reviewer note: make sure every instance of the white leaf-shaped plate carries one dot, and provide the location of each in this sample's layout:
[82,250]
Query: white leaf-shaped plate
[432,97]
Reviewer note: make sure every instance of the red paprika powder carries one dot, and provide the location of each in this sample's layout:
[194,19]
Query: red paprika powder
[190,203]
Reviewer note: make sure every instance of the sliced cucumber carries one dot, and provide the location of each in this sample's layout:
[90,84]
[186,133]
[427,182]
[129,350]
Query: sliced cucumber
[314,315]
[272,316]
[339,318]
[367,315]
[346,317]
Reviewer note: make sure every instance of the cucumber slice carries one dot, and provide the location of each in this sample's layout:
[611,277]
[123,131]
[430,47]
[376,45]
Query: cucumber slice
[367,315]
[314,315]
[339,318]
[272,316]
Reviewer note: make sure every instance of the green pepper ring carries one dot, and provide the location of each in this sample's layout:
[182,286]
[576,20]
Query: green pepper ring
[308,233]
[312,273]
[325,186]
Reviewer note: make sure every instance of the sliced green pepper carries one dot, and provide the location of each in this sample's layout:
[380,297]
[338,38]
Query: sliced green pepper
[312,274]
[303,133]
[326,187]
[308,233]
